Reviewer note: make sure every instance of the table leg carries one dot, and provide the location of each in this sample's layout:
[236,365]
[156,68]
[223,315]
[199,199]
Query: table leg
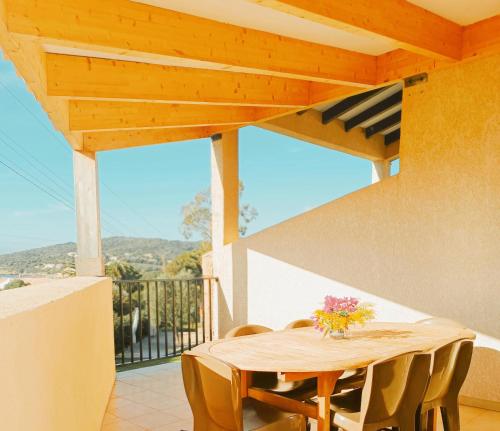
[246,382]
[326,384]
[432,420]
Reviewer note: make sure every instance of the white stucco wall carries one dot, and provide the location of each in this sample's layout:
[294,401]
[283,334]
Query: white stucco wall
[425,242]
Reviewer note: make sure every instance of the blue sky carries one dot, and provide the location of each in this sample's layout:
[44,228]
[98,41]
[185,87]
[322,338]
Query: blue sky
[143,189]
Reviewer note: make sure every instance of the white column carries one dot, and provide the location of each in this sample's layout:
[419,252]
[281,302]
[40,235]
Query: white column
[225,189]
[380,170]
[225,215]
[89,259]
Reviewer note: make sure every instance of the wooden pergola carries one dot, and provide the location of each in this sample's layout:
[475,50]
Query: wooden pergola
[115,74]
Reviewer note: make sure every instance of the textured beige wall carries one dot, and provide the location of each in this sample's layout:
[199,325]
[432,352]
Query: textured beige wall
[426,242]
[56,355]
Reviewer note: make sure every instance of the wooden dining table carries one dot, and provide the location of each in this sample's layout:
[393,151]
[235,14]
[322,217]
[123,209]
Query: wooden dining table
[297,354]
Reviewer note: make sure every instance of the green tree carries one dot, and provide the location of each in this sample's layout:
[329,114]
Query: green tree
[125,301]
[14,284]
[187,264]
[69,270]
[122,271]
[197,216]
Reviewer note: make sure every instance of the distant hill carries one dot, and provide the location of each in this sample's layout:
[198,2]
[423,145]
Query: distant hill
[146,254]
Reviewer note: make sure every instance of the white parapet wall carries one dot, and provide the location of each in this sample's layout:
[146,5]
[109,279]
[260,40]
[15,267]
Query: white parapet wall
[56,355]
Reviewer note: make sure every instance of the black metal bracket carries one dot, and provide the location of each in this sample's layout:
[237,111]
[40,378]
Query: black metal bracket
[416,79]
[216,137]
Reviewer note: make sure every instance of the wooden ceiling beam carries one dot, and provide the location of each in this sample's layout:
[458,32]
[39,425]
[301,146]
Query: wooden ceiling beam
[88,115]
[120,139]
[158,35]
[482,38]
[479,39]
[260,64]
[410,26]
[399,64]
[28,59]
[96,78]
[321,93]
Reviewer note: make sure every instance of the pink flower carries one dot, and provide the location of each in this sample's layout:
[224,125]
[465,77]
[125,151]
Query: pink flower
[334,304]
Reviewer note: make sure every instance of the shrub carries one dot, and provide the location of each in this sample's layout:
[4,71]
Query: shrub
[14,284]
[127,333]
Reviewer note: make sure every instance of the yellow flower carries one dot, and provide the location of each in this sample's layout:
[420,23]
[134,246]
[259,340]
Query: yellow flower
[337,321]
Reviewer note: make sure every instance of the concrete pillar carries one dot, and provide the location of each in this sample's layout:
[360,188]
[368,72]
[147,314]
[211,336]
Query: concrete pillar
[89,259]
[380,170]
[225,189]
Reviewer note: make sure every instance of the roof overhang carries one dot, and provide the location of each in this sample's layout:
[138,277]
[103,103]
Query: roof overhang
[117,74]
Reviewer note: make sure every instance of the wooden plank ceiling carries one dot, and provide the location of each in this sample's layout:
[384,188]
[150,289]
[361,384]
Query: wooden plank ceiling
[118,73]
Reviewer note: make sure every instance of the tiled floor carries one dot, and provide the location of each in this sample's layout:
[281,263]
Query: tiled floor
[149,398]
[153,399]
[472,419]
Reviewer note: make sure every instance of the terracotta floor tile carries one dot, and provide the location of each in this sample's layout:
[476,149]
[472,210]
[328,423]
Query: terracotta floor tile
[153,399]
[122,425]
[156,419]
[147,382]
[165,403]
[131,378]
[122,388]
[144,397]
[486,421]
[182,412]
[118,404]
[469,413]
[177,426]
[133,411]
[108,418]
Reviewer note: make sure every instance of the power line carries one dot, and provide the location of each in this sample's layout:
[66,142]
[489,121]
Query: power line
[64,145]
[37,185]
[144,219]
[51,193]
[57,193]
[35,180]
[123,226]
[35,116]
[59,183]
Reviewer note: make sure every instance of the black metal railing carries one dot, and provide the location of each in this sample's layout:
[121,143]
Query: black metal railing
[156,319]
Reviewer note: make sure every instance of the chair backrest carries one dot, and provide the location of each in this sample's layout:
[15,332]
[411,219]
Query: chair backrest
[450,365]
[461,367]
[442,365]
[213,391]
[301,323]
[441,321]
[393,384]
[243,330]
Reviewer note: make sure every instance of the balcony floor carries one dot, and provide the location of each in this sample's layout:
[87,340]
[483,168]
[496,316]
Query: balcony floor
[153,399]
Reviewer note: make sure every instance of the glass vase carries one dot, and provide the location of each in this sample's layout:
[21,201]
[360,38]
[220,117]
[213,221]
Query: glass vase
[340,333]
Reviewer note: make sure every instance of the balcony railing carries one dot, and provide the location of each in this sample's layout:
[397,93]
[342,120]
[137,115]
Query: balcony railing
[156,319]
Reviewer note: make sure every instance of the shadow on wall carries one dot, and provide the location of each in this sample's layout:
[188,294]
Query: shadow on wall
[270,292]
[353,246]
[424,242]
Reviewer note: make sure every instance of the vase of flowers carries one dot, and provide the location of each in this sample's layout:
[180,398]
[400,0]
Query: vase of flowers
[338,314]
